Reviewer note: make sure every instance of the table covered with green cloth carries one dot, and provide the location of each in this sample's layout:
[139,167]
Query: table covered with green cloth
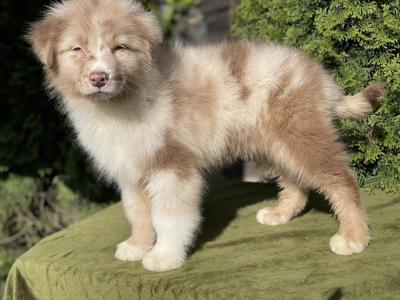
[235,257]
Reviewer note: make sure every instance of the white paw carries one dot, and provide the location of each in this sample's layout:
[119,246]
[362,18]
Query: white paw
[266,216]
[341,246]
[128,252]
[158,261]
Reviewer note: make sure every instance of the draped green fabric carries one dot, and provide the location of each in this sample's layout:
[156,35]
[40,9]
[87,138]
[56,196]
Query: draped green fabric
[235,257]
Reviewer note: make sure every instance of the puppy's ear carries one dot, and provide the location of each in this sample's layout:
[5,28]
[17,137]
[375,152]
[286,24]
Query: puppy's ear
[153,32]
[148,29]
[43,36]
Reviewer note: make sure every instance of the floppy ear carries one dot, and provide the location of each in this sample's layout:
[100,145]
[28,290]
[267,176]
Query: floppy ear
[148,28]
[43,37]
[153,32]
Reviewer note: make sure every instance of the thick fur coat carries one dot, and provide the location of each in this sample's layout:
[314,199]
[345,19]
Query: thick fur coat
[154,117]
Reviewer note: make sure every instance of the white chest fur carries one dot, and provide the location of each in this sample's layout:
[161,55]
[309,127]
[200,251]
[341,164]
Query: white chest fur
[120,140]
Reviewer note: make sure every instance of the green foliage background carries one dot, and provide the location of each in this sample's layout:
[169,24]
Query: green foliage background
[359,41]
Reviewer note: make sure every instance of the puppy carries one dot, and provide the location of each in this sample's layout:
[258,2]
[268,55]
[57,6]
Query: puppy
[153,118]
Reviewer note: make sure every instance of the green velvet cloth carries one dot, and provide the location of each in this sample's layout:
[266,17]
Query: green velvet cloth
[235,258]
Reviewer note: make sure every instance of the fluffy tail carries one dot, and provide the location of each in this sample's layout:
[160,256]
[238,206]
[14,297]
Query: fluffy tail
[362,103]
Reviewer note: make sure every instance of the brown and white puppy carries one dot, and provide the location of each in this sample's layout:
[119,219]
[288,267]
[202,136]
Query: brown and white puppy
[153,119]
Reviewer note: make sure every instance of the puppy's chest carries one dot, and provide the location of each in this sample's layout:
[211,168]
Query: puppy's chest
[120,150]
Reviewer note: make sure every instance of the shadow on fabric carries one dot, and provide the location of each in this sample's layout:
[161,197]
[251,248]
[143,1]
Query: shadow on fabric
[223,200]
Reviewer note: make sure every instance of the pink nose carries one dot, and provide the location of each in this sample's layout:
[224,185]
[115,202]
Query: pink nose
[98,79]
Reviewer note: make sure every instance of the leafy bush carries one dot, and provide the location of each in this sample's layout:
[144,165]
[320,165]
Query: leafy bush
[169,12]
[32,208]
[359,41]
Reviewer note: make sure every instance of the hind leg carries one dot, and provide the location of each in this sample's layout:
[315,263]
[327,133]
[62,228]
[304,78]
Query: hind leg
[291,201]
[323,167]
[302,142]
[343,194]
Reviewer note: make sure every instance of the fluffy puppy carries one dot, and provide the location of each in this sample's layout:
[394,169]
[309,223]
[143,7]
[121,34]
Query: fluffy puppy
[153,119]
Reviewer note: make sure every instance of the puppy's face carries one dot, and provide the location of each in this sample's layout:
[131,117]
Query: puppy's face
[95,49]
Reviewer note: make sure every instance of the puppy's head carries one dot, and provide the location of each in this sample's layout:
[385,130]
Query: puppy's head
[95,49]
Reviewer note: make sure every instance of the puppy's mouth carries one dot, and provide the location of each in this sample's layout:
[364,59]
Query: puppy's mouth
[102,94]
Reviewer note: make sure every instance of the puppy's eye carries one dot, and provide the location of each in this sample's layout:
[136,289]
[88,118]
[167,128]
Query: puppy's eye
[120,47]
[77,49]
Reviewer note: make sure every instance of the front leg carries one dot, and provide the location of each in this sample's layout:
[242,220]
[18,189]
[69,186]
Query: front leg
[136,205]
[175,213]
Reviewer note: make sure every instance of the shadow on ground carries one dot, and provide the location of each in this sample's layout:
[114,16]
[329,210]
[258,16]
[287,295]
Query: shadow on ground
[336,295]
[223,200]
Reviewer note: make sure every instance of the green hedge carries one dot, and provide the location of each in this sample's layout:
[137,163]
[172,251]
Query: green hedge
[359,41]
